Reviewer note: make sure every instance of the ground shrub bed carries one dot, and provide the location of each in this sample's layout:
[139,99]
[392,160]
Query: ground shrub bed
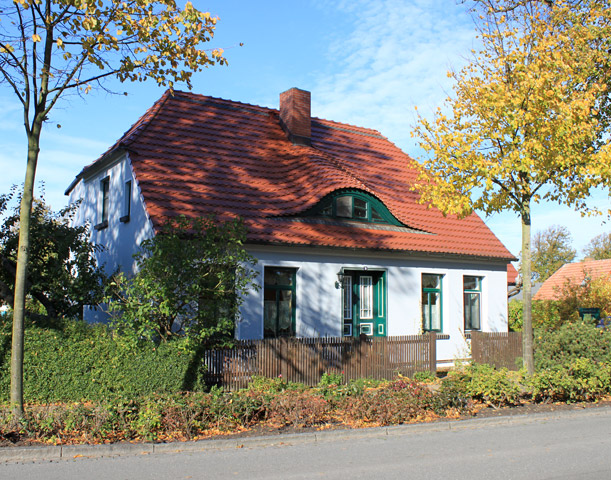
[86,387]
[194,415]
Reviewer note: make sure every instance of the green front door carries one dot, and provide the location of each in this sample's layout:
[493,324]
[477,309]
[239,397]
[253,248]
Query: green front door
[364,303]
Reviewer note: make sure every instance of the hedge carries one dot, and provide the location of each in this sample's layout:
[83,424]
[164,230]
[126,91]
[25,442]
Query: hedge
[72,361]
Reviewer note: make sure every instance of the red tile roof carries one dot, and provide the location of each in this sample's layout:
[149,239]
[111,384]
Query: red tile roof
[198,155]
[573,273]
[512,274]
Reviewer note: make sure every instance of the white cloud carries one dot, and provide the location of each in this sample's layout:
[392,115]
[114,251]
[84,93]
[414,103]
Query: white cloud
[395,58]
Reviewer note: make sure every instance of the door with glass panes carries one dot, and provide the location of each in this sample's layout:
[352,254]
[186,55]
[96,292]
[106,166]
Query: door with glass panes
[364,303]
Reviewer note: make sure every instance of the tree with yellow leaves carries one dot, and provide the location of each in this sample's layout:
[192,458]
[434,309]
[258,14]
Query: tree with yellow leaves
[528,121]
[50,47]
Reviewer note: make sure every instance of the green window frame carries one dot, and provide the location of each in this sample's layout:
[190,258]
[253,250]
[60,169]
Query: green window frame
[279,302]
[432,302]
[354,205]
[472,304]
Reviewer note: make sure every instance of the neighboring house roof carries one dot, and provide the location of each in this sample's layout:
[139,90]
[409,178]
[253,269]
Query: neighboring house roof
[574,273]
[197,155]
[512,274]
[519,294]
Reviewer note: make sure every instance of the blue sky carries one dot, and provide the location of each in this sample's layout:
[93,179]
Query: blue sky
[366,63]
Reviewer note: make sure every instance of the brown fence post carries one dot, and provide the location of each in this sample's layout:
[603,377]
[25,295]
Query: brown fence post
[433,353]
[475,347]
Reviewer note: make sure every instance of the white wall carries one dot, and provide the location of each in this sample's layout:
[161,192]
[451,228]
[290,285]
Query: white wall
[120,240]
[319,301]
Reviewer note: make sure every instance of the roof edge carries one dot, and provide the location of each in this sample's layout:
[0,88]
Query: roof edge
[104,161]
[455,256]
[125,139]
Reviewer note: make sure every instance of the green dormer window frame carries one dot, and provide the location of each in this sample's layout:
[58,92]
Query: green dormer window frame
[353,205]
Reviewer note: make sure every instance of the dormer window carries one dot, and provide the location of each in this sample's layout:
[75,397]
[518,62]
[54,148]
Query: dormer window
[343,207]
[349,206]
[354,205]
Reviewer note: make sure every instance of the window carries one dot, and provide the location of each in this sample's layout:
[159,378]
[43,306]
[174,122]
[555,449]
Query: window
[366,297]
[431,303]
[472,287]
[361,208]
[343,207]
[104,191]
[347,297]
[127,201]
[354,205]
[279,302]
[381,296]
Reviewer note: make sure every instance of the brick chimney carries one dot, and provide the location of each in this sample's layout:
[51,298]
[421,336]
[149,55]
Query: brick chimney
[295,116]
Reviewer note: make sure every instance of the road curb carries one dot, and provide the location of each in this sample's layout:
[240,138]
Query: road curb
[67,452]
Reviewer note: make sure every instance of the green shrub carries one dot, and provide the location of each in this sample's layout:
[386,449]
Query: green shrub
[332,378]
[424,377]
[481,382]
[546,314]
[190,282]
[571,341]
[581,380]
[73,361]
[334,392]
[454,393]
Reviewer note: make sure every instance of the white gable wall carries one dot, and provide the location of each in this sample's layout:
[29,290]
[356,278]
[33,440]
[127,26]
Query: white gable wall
[319,308]
[121,240]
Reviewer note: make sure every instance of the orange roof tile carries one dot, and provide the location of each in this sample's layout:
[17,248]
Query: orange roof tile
[573,273]
[198,155]
[512,274]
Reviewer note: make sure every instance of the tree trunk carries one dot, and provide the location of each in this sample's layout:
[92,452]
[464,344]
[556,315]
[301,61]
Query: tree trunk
[527,327]
[25,211]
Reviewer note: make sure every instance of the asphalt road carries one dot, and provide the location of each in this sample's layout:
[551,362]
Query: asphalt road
[565,445]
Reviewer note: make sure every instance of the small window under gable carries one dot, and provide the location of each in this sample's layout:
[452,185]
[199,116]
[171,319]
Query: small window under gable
[127,202]
[104,204]
[353,205]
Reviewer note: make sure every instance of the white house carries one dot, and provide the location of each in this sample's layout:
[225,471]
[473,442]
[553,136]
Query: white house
[343,246]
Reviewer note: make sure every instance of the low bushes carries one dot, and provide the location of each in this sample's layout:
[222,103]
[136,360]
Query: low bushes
[273,403]
[579,339]
[482,383]
[396,402]
[573,363]
[581,380]
[86,386]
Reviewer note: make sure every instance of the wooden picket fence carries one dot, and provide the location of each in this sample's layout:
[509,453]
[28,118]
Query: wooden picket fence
[501,349]
[305,360]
